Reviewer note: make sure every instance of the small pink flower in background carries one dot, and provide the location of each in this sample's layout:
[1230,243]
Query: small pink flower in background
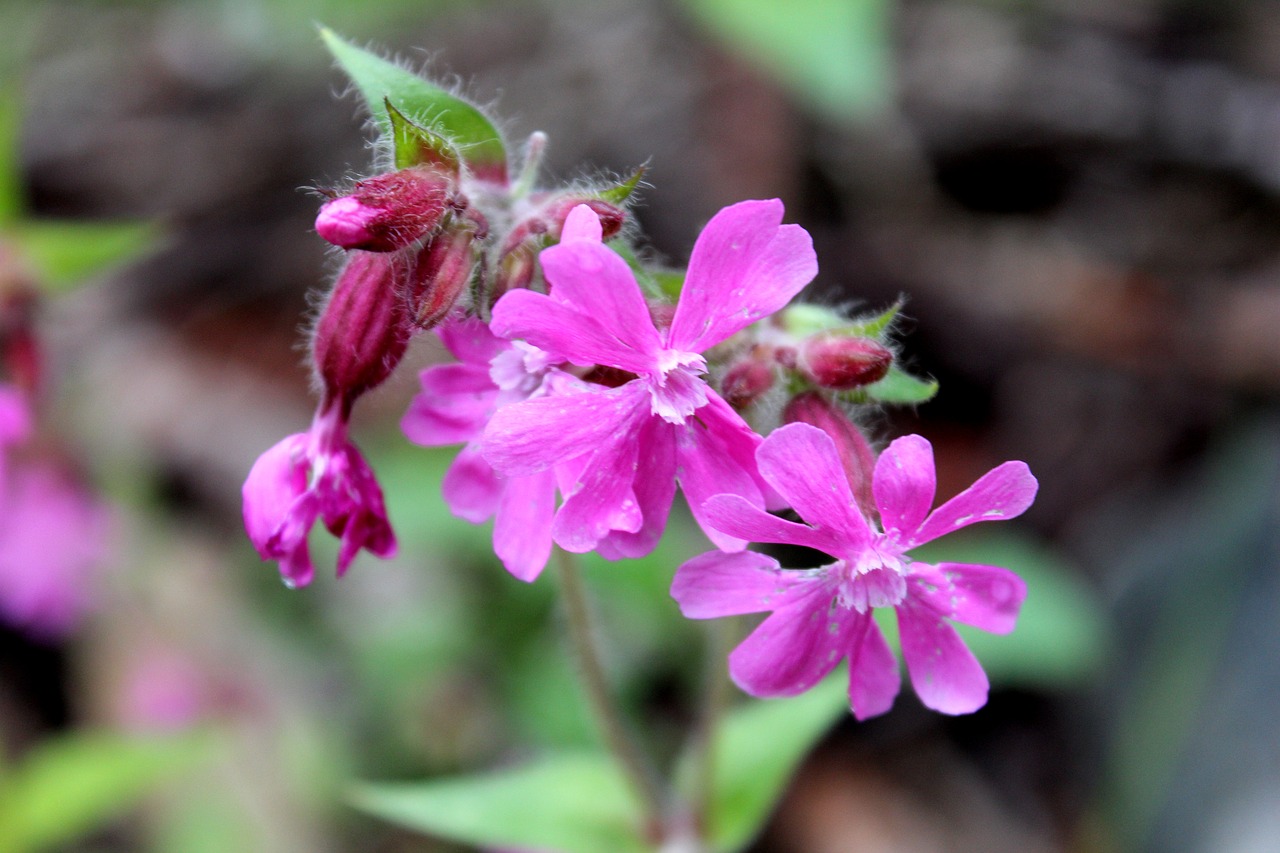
[53,546]
[821,616]
[454,405]
[164,691]
[666,425]
[316,475]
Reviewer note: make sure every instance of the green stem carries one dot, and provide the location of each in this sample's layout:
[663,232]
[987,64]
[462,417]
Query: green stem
[714,700]
[608,715]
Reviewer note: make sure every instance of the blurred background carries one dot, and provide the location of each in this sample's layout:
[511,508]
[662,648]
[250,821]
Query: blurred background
[1081,201]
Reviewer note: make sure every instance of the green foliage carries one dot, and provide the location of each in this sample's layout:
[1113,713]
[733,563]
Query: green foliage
[621,191]
[74,784]
[66,253]
[835,53]
[571,803]
[901,388]
[417,146]
[758,748]
[382,83]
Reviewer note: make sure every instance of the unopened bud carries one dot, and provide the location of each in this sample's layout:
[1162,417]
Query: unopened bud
[841,363]
[443,270]
[554,213]
[856,457]
[386,212]
[365,327]
[515,270]
[745,382]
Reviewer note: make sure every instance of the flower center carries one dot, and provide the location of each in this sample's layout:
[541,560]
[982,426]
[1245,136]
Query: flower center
[676,386]
[876,577]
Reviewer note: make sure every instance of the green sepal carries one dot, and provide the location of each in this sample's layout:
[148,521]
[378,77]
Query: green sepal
[569,803]
[805,319]
[901,387]
[74,784]
[758,748]
[65,253]
[381,82]
[618,193]
[415,145]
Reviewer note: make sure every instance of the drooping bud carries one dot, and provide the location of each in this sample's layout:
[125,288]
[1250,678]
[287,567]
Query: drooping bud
[745,381]
[441,273]
[840,363]
[518,259]
[387,212]
[856,456]
[365,326]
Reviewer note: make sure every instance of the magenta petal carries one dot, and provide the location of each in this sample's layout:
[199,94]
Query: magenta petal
[1002,493]
[582,223]
[597,283]
[719,584]
[737,517]
[793,649]
[709,461]
[874,680]
[15,416]
[986,597]
[535,434]
[654,487]
[802,463]
[275,481]
[567,332]
[603,499]
[522,530]
[453,406]
[744,267]
[904,483]
[471,488]
[470,341]
[945,674]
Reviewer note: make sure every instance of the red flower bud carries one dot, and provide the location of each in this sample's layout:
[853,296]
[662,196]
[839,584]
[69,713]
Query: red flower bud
[364,328]
[387,212]
[745,382]
[815,409]
[442,271]
[840,363]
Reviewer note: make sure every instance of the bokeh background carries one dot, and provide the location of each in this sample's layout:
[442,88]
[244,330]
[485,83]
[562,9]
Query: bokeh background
[1081,201]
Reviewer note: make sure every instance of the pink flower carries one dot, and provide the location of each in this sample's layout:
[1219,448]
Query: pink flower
[666,424]
[53,545]
[823,615]
[316,475]
[454,405]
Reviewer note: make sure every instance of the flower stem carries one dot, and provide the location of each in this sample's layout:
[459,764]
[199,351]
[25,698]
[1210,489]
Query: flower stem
[715,695]
[608,714]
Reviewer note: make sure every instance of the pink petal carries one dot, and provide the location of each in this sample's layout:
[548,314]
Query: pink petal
[470,341]
[793,649]
[597,282]
[654,487]
[522,530]
[1002,493]
[873,671]
[719,584]
[471,488]
[582,223]
[603,499]
[275,481]
[945,674]
[904,483]
[744,267]
[533,435]
[986,597]
[566,332]
[15,416]
[713,457]
[453,406]
[802,463]
[735,516]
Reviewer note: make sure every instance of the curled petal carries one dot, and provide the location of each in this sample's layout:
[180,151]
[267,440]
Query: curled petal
[603,498]
[470,341]
[453,406]
[904,483]
[1002,493]
[276,480]
[471,488]
[654,488]
[945,674]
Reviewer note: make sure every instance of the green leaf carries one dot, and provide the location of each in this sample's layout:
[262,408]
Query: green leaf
[74,784]
[621,191]
[11,200]
[901,387]
[834,53]
[569,803]
[427,105]
[66,253]
[758,749]
[804,319]
[1061,639]
[418,146]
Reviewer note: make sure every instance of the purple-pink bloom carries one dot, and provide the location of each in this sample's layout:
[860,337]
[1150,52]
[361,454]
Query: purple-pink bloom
[53,545]
[310,476]
[821,616]
[454,405]
[666,425]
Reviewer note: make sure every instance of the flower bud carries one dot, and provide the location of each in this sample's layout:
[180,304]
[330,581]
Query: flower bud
[841,363]
[442,271]
[386,212]
[856,456]
[364,328]
[745,381]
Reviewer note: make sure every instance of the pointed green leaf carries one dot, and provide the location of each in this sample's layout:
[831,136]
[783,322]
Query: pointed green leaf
[901,387]
[804,319]
[570,803]
[759,747]
[620,192]
[872,327]
[65,253]
[418,146]
[380,81]
[74,784]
